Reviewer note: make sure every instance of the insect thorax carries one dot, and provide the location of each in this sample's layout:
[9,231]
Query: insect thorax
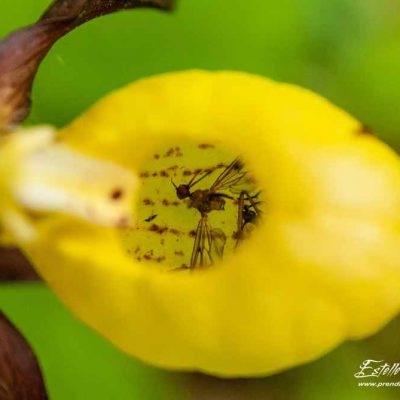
[206,201]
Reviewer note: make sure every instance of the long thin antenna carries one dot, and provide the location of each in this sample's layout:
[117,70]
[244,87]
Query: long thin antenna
[191,183]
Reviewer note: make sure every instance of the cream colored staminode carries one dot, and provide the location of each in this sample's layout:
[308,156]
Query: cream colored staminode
[41,175]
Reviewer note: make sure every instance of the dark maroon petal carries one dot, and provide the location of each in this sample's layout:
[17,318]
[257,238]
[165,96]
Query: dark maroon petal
[22,51]
[15,267]
[20,376]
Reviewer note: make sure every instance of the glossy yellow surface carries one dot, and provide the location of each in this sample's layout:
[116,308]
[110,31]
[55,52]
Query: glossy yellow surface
[323,265]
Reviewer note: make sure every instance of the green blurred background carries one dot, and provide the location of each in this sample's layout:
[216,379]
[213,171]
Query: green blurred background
[346,50]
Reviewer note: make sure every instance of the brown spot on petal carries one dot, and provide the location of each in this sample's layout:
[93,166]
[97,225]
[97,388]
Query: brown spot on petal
[169,153]
[192,233]
[148,202]
[117,194]
[158,229]
[204,146]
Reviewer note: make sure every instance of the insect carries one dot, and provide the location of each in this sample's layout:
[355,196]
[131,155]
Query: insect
[209,243]
[151,217]
[248,212]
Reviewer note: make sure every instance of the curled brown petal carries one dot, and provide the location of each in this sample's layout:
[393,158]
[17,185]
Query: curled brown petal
[20,376]
[22,51]
[15,267]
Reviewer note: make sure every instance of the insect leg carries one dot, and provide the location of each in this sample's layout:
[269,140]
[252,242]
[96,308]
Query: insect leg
[240,214]
[198,246]
[253,203]
[209,241]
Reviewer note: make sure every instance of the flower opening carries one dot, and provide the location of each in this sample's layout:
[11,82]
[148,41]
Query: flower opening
[180,231]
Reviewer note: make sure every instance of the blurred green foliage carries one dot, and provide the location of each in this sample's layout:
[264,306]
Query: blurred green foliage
[346,50]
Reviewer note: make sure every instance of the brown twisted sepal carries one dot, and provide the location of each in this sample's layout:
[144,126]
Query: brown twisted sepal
[20,376]
[22,51]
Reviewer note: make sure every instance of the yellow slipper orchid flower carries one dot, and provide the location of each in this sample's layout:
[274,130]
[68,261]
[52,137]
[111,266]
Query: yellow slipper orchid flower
[320,266]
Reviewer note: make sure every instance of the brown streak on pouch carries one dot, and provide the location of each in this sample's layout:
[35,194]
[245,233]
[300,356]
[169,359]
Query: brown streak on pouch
[164,174]
[158,229]
[169,153]
[165,202]
[145,174]
[116,194]
[148,202]
[204,146]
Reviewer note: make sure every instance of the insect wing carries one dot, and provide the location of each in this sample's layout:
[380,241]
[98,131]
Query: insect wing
[233,175]
[208,244]
[218,240]
[201,240]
